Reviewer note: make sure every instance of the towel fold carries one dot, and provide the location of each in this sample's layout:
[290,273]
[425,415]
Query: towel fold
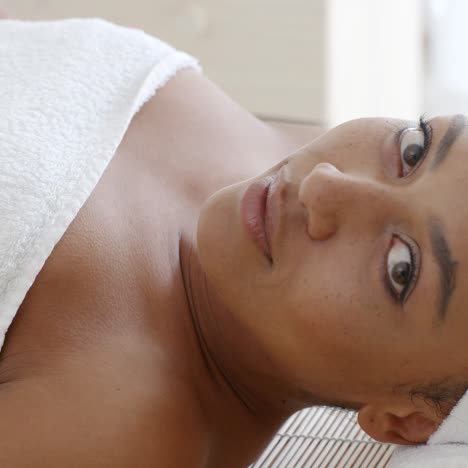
[68,92]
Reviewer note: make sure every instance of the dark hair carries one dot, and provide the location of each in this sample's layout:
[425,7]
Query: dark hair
[442,396]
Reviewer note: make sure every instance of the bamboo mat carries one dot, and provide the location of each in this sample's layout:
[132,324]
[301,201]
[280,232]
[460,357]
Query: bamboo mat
[324,437]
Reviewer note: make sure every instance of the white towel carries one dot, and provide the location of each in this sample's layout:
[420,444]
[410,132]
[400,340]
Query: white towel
[68,92]
[446,448]
[430,456]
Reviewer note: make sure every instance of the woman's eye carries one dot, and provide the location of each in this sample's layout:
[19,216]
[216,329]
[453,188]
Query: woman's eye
[400,269]
[412,148]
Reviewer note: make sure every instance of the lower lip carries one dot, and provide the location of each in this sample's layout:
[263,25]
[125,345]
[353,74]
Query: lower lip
[253,206]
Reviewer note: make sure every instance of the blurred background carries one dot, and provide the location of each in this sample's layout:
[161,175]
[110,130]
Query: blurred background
[314,61]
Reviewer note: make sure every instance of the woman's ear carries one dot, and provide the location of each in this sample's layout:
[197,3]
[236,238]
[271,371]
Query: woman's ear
[404,425]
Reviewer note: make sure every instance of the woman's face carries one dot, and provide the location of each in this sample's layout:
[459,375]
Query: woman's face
[368,281]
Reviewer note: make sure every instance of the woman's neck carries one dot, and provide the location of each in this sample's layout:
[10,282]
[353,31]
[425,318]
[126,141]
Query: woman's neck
[233,393]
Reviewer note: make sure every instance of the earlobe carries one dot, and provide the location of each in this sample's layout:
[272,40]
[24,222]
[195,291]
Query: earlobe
[404,426]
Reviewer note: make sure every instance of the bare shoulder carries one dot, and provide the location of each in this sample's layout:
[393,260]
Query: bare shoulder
[191,102]
[190,88]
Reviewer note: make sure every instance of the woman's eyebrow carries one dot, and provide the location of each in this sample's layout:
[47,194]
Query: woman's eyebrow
[440,248]
[447,267]
[457,125]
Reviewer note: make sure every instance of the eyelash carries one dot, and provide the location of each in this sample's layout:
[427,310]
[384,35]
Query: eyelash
[425,127]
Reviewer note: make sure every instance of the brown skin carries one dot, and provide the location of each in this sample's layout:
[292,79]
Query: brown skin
[157,334]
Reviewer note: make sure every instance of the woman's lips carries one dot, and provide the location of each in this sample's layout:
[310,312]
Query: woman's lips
[253,211]
[271,211]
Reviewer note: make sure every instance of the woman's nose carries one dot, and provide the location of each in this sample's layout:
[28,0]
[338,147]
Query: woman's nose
[331,197]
